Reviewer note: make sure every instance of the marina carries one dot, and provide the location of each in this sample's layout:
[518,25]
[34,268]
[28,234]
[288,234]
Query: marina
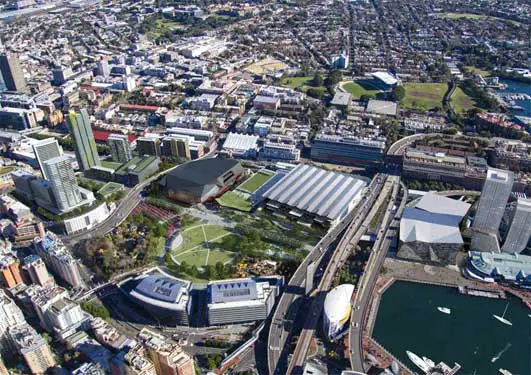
[469,337]
[482,292]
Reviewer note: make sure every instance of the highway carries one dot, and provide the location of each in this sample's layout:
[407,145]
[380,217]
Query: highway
[388,229]
[290,301]
[352,236]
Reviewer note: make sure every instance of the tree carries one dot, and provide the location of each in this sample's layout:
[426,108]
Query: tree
[398,93]
[317,80]
[315,92]
[334,78]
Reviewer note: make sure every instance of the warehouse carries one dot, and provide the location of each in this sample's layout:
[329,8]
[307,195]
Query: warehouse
[309,194]
[241,145]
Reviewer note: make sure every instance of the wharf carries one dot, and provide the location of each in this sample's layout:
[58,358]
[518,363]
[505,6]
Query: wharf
[493,293]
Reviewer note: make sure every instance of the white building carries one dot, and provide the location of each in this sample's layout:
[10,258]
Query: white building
[241,145]
[337,308]
[87,220]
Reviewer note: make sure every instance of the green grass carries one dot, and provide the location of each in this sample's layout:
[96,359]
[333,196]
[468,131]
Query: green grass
[253,183]
[235,200]
[481,72]
[296,82]
[9,168]
[462,102]
[162,26]
[461,15]
[110,164]
[424,96]
[199,247]
[110,188]
[357,90]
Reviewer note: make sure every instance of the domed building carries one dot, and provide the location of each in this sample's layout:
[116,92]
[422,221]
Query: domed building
[337,308]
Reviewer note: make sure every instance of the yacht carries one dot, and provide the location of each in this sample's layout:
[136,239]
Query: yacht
[502,318]
[429,362]
[444,310]
[505,372]
[418,361]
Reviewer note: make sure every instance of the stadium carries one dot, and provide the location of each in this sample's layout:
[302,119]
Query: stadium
[201,180]
[337,308]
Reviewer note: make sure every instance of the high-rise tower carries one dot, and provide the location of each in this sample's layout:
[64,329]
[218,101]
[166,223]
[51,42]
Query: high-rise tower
[84,143]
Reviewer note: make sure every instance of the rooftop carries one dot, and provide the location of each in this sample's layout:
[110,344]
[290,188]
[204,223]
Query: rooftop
[423,226]
[510,266]
[237,141]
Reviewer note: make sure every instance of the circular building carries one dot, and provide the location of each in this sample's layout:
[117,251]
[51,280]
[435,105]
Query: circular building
[337,308]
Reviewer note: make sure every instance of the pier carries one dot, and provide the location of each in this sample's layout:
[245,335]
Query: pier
[497,293]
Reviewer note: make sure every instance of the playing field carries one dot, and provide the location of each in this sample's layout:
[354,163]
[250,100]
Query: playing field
[357,89]
[235,200]
[296,82]
[462,102]
[424,96]
[268,65]
[253,184]
[199,246]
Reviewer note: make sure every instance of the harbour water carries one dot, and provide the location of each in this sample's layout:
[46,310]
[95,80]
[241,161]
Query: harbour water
[408,319]
[520,88]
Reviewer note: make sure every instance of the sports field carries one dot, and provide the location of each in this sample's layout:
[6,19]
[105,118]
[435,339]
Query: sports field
[238,201]
[462,102]
[253,183]
[358,89]
[424,96]
[268,65]
[199,246]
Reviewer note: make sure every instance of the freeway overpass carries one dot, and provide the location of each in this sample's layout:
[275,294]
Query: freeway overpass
[388,230]
[352,236]
[290,302]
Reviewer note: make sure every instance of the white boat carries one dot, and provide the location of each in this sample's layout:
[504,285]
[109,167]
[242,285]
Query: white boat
[444,310]
[505,372]
[418,361]
[502,318]
[429,362]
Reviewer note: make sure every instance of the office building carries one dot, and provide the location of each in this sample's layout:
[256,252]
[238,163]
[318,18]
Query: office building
[177,146]
[241,145]
[3,369]
[64,183]
[36,268]
[22,181]
[84,143]
[309,194]
[520,228]
[148,146]
[336,310]
[120,148]
[279,151]
[10,271]
[58,259]
[132,361]
[60,75]
[494,196]
[33,348]
[167,356]
[102,68]
[20,118]
[137,170]
[239,300]
[12,73]
[165,297]
[90,349]
[347,150]
[10,316]
[45,150]
[43,194]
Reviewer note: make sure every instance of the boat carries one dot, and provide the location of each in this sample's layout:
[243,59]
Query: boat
[444,310]
[418,361]
[502,318]
[505,372]
[429,362]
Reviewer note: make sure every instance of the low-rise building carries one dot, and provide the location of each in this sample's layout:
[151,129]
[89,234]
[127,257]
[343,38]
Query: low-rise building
[506,268]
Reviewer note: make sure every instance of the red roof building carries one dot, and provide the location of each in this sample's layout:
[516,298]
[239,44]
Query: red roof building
[138,108]
[101,136]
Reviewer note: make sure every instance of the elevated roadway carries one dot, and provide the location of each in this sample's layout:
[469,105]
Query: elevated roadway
[388,230]
[350,239]
[291,300]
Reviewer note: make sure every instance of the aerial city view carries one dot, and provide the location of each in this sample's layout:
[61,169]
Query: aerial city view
[268,187]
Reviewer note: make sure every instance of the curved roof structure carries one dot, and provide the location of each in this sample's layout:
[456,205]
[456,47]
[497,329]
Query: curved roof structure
[337,303]
[162,291]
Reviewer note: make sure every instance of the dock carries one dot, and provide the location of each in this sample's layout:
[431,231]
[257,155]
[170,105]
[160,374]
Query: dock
[498,294]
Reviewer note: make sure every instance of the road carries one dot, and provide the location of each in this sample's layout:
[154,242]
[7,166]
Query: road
[352,236]
[388,230]
[289,304]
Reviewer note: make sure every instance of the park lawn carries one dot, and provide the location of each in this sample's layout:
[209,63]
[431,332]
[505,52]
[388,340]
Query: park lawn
[481,72]
[212,232]
[235,200]
[162,26]
[357,90]
[191,238]
[462,102]
[424,96]
[253,183]
[295,82]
